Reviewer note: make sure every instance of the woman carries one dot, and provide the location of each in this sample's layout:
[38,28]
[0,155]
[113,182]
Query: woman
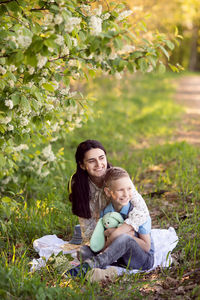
[87,195]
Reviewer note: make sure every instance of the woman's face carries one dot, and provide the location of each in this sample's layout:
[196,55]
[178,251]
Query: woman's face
[95,162]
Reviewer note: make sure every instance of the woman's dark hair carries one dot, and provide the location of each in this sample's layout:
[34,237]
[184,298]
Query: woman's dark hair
[80,195]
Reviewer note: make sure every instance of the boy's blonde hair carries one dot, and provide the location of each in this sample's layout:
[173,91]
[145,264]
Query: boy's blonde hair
[114,173]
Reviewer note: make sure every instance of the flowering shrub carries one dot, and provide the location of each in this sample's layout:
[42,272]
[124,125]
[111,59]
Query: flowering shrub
[45,47]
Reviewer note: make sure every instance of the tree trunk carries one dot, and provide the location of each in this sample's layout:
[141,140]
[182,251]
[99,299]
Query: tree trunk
[193,63]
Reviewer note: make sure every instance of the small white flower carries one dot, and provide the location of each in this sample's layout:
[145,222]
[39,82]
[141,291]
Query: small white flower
[72,22]
[59,40]
[24,40]
[49,107]
[65,91]
[6,120]
[11,83]
[10,127]
[55,85]
[58,19]
[31,70]
[21,147]
[124,15]
[74,41]
[50,49]
[12,68]
[2,70]
[106,16]
[95,25]
[41,61]
[6,180]
[24,121]
[9,103]
[25,130]
[48,153]
[65,51]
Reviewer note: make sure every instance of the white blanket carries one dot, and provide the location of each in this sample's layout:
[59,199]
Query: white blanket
[165,240]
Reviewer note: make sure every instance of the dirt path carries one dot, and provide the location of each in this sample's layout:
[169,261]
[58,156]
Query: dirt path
[188,95]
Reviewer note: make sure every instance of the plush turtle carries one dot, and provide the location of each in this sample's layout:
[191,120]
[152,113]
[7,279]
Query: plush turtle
[109,220]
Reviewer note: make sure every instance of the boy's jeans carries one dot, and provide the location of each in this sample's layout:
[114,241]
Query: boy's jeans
[125,250]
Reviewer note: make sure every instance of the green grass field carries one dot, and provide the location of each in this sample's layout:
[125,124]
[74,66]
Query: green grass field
[135,119]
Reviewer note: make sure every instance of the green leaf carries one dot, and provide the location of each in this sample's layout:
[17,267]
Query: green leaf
[164,51]
[170,45]
[48,87]
[2,160]
[15,98]
[25,103]
[2,84]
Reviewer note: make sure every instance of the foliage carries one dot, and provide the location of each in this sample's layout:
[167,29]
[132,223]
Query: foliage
[46,48]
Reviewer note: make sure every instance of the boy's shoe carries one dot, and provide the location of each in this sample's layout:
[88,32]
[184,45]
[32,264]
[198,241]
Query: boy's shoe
[78,271]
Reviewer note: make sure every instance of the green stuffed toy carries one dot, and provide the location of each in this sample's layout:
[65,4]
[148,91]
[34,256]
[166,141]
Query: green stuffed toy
[109,220]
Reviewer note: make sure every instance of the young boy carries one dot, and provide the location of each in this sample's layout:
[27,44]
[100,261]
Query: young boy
[124,245]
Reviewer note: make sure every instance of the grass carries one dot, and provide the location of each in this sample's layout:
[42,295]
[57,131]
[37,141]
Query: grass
[135,120]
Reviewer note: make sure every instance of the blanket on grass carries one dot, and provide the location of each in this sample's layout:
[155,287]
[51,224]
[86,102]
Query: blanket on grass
[165,240]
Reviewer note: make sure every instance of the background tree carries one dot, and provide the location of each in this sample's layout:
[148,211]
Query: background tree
[46,46]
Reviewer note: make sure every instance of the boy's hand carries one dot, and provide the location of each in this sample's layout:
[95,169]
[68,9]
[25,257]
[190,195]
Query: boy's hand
[109,231]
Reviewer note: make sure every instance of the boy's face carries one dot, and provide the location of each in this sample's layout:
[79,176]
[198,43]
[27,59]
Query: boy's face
[120,191]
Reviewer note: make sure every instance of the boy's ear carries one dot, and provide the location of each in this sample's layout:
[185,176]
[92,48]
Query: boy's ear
[107,192]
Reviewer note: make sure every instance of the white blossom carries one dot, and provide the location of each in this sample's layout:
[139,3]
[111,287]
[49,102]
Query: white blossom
[74,41]
[31,70]
[41,60]
[65,91]
[50,49]
[24,40]
[106,16]
[48,153]
[44,174]
[59,40]
[9,103]
[124,15]
[65,50]
[112,56]
[11,83]
[2,70]
[48,19]
[24,121]
[10,127]
[95,25]
[21,147]
[12,68]
[49,107]
[72,22]
[6,180]
[6,120]
[58,19]
[55,85]
[26,130]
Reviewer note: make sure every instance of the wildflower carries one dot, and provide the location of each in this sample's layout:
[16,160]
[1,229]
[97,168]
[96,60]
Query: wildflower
[124,15]
[24,40]
[2,70]
[9,103]
[72,22]
[48,153]
[65,91]
[41,61]
[10,127]
[74,41]
[31,70]
[59,40]
[11,83]
[58,19]
[6,120]
[12,68]
[118,75]
[65,50]
[106,16]
[95,25]
[21,147]
[24,121]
